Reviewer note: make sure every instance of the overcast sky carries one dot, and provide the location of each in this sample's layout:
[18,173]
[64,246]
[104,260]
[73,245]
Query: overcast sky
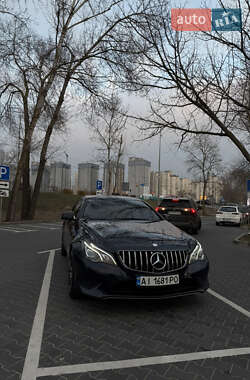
[80,148]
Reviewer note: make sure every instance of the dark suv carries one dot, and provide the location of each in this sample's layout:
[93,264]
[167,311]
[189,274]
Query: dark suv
[182,212]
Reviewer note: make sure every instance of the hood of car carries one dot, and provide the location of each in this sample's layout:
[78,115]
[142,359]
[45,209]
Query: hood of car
[138,234]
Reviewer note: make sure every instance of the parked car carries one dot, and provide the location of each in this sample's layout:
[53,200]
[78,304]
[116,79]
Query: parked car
[182,212]
[245,210]
[229,215]
[119,247]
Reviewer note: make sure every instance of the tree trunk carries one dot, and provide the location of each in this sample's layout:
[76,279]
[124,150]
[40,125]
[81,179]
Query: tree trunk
[26,189]
[115,189]
[44,150]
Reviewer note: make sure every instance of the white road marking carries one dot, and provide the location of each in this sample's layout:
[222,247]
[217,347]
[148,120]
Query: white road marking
[48,250]
[59,224]
[13,229]
[120,364]
[230,303]
[34,347]
[39,226]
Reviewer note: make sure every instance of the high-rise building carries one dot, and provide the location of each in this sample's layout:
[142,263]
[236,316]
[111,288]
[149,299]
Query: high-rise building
[87,177]
[164,185]
[45,178]
[60,176]
[138,176]
[116,179]
[174,184]
[185,187]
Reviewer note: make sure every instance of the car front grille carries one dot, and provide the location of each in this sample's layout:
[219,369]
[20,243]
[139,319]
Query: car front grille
[141,260]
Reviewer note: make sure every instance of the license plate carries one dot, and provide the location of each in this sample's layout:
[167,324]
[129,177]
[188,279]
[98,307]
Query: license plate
[174,213]
[157,280]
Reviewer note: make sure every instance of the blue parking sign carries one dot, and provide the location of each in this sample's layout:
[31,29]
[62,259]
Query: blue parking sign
[4,173]
[98,185]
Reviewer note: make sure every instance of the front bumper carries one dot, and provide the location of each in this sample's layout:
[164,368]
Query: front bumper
[115,282]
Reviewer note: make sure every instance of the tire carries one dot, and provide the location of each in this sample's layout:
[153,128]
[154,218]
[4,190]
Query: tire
[63,250]
[74,290]
[195,231]
[217,223]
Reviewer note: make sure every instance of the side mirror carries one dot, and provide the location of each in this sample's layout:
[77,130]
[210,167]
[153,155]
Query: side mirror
[68,215]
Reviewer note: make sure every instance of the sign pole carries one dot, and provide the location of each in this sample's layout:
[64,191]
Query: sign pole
[1,208]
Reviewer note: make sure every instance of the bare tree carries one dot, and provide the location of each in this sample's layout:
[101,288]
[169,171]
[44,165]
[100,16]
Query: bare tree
[108,123]
[234,182]
[192,78]
[203,159]
[39,69]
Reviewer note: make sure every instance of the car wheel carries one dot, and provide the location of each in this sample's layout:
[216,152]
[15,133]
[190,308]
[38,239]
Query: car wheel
[195,231]
[217,223]
[74,290]
[63,250]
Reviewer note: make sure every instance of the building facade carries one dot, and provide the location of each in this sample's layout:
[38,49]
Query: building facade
[60,176]
[87,177]
[139,176]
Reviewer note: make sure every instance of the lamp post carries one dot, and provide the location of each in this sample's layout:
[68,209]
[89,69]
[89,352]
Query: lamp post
[159,167]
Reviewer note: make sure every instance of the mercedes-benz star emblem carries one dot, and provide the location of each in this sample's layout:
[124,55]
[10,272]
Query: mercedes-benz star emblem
[158,261]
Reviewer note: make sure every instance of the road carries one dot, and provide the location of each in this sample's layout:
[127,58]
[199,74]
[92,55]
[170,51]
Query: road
[46,335]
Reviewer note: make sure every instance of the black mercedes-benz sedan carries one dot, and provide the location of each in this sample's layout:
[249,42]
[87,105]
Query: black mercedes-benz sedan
[120,247]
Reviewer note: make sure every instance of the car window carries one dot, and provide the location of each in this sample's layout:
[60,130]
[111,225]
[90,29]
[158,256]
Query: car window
[176,203]
[228,209]
[118,209]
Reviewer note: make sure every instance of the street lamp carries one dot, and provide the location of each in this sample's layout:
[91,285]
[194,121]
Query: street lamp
[159,167]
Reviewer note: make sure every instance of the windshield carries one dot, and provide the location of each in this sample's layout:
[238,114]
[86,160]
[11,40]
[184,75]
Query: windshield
[175,203]
[228,209]
[118,209]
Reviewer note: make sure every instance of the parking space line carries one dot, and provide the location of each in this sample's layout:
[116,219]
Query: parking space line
[34,347]
[11,229]
[121,364]
[230,303]
[48,250]
[40,226]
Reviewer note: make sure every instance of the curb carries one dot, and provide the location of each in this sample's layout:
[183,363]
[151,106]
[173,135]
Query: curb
[238,239]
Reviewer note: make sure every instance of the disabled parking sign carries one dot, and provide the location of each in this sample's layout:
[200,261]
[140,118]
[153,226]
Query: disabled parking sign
[4,173]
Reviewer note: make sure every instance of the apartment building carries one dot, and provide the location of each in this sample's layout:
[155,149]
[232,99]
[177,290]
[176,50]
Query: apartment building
[60,176]
[139,176]
[87,177]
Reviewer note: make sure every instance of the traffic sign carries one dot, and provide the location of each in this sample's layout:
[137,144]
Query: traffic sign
[4,193]
[4,185]
[98,185]
[4,173]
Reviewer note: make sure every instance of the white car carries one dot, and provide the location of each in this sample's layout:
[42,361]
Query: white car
[229,214]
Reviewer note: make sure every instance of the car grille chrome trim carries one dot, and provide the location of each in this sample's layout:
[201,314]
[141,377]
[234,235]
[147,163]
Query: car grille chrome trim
[140,260]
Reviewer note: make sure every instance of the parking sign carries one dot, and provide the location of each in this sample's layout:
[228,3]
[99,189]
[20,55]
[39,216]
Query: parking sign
[98,185]
[4,173]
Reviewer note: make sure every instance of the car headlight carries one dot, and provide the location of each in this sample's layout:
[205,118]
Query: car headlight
[97,255]
[197,254]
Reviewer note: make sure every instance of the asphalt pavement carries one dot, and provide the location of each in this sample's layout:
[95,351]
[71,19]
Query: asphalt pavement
[46,335]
